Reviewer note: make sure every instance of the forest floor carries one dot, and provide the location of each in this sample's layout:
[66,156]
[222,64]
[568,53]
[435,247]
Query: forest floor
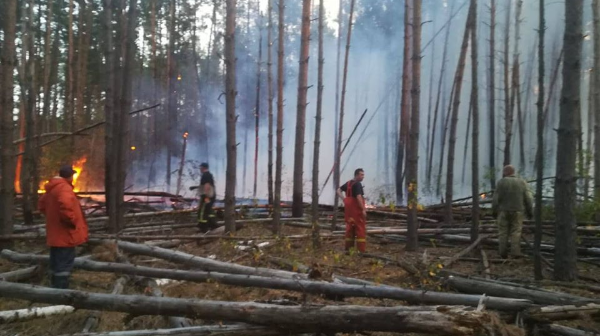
[327,260]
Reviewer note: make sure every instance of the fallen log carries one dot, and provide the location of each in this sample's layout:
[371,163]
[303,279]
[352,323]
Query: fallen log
[164,237]
[486,264]
[20,274]
[205,264]
[537,296]
[91,322]
[303,286]
[465,251]
[587,287]
[438,320]
[174,321]
[8,316]
[405,265]
[221,330]
[558,313]
[555,329]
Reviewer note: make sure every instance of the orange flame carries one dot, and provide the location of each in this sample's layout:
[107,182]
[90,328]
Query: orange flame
[78,167]
[483,196]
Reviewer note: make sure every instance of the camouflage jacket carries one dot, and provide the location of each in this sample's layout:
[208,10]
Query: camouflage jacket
[512,194]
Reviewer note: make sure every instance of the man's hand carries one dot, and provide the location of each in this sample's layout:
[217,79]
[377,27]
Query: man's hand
[194,188]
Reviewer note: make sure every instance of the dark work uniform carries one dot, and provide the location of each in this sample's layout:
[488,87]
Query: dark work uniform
[206,216]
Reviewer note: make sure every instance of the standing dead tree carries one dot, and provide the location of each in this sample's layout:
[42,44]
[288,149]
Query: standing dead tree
[492,96]
[315,171]
[279,160]
[257,108]
[297,205]
[596,99]
[404,103]
[507,105]
[540,144]
[412,171]
[270,92]
[516,86]
[565,256]
[231,118]
[475,134]
[7,161]
[338,154]
[458,79]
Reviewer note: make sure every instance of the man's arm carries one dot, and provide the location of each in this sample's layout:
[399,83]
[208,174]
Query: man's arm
[361,205]
[207,189]
[496,200]
[339,193]
[528,200]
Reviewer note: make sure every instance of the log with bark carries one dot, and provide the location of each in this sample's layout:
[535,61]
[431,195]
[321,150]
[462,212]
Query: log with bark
[8,316]
[489,288]
[466,251]
[91,322]
[20,274]
[221,330]
[303,286]
[558,330]
[174,321]
[558,313]
[438,320]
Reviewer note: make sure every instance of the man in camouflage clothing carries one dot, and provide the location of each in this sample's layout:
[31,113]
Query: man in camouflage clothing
[512,201]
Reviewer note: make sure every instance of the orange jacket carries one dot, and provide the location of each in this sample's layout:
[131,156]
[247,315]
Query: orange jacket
[65,223]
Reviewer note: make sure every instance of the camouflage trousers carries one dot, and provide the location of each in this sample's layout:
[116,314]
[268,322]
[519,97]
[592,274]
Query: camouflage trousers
[510,225]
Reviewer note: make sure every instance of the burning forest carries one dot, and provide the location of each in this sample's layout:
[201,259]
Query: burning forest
[311,167]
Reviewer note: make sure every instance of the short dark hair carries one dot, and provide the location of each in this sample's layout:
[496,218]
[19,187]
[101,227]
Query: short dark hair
[204,165]
[358,171]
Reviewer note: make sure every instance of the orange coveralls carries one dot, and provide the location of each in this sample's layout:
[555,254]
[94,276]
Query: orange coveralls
[355,222]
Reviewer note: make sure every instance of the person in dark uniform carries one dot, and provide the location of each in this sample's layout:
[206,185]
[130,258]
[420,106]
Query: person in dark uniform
[206,216]
[355,211]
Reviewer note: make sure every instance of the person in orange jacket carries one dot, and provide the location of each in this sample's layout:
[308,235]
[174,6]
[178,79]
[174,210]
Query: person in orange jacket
[66,226]
[355,211]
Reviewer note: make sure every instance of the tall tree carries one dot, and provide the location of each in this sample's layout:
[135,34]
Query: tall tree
[458,79]
[7,162]
[279,159]
[337,81]
[540,136]
[317,146]
[508,118]
[565,260]
[69,110]
[110,180]
[492,96]
[171,114]
[46,85]
[270,93]
[596,100]
[412,168]
[297,205]
[404,102]
[475,134]
[231,118]
[257,106]
[338,154]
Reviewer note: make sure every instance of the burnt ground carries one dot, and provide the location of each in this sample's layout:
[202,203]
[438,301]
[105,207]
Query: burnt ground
[328,259]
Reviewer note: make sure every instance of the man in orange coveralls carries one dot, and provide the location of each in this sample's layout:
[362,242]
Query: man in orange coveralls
[355,211]
[66,226]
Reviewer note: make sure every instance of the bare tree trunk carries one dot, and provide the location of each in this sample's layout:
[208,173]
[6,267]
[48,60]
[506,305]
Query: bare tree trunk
[337,86]
[596,102]
[590,130]
[317,146]
[230,92]
[565,256]
[458,79]
[69,109]
[270,89]
[257,108]
[516,89]
[47,66]
[171,94]
[279,159]
[412,172]
[475,134]
[110,136]
[467,138]
[338,154]
[507,104]
[430,131]
[297,205]
[443,140]
[405,103]
[492,96]
[7,161]
[540,143]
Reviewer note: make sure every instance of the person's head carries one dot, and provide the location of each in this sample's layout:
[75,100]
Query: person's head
[359,175]
[508,170]
[67,172]
[203,167]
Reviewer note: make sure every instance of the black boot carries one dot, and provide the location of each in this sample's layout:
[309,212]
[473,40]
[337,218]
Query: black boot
[60,282]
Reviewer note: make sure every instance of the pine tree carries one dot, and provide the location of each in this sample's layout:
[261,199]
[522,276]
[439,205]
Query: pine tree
[231,118]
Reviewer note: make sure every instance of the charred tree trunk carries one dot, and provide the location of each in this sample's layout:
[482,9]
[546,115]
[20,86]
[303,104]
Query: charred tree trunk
[596,102]
[317,146]
[492,96]
[230,92]
[270,89]
[507,105]
[338,154]
[412,171]
[7,161]
[475,134]
[405,103]
[279,160]
[297,205]
[540,143]
[458,79]
[566,178]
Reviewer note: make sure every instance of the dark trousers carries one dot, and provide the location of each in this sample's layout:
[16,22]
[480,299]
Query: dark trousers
[206,215]
[61,264]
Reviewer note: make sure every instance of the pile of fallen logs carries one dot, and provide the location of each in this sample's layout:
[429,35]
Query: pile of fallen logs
[482,306]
